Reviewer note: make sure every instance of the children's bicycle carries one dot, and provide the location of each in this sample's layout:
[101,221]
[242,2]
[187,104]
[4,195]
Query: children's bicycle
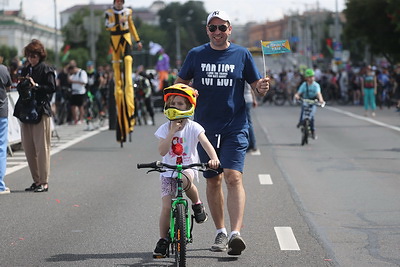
[305,124]
[181,220]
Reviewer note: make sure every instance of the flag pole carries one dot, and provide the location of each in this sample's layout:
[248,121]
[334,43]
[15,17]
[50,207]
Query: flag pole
[265,71]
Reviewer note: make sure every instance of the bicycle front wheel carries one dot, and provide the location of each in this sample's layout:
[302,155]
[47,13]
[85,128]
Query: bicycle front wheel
[180,235]
[279,98]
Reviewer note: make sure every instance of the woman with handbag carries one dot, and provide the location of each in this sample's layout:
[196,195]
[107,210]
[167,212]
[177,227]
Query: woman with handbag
[33,110]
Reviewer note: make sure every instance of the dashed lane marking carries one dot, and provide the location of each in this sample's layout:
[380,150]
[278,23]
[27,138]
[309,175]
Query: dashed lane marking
[286,238]
[265,179]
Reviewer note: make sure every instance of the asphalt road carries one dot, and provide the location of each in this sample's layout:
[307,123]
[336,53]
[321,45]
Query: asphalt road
[334,202]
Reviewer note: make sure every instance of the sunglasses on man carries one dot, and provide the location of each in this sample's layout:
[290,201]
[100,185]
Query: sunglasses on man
[213,28]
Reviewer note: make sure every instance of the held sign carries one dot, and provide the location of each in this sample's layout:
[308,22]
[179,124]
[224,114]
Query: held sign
[275,47]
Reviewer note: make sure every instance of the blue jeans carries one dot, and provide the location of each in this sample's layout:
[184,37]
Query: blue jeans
[3,150]
[252,137]
[312,114]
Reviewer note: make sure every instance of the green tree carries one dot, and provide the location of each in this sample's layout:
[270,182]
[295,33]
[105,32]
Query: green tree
[373,23]
[76,37]
[191,20]
[8,53]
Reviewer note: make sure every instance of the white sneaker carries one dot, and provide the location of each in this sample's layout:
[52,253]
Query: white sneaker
[6,191]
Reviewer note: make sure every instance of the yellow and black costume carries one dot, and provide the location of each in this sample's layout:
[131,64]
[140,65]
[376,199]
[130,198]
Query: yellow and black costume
[120,24]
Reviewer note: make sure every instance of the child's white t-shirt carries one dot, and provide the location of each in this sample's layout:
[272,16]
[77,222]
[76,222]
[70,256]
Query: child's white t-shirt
[183,149]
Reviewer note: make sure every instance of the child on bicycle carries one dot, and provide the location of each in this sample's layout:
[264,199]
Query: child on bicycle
[309,89]
[178,139]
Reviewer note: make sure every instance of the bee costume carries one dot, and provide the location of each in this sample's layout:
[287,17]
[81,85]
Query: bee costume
[118,20]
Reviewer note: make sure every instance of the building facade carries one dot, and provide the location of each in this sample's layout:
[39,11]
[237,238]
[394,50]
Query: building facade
[16,31]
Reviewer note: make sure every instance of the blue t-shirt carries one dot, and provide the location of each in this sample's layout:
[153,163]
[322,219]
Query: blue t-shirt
[312,91]
[220,76]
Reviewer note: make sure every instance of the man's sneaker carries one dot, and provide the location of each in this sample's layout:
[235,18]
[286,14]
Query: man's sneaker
[236,245]
[5,191]
[161,249]
[200,214]
[220,243]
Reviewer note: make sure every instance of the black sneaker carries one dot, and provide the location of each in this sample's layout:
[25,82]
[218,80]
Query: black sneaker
[200,214]
[161,249]
[220,243]
[236,245]
[314,135]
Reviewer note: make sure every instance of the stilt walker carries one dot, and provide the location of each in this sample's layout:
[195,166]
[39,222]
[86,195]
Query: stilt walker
[118,20]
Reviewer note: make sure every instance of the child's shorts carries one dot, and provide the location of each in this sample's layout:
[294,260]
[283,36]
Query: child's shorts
[168,184]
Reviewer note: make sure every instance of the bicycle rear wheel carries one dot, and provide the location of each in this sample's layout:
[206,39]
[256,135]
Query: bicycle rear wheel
[180,235]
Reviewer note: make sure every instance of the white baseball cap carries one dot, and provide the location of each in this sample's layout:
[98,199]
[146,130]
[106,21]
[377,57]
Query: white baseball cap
[218,14]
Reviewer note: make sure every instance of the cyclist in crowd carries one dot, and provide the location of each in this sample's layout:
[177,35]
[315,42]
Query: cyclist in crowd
[369,90]
[355,86]
[178,139]
[309,89]
[93,86]
[143,93]
[218,70]
[63,90]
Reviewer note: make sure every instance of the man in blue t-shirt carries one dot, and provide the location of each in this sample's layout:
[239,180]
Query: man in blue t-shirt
[219,70]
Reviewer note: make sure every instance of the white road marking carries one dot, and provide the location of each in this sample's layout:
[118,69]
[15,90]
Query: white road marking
[364,118]
[54,150]
[286,238]
[265,179]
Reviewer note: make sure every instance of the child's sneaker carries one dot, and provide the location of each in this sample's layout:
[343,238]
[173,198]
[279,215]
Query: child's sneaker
[200,214]
[161,249]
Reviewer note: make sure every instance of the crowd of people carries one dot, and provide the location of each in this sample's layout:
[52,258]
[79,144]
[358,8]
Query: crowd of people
[348,85]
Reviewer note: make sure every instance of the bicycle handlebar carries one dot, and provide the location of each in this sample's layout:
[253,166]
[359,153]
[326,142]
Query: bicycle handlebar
[159,165]
[312,102]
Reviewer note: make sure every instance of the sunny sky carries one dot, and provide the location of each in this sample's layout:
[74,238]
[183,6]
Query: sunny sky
[240,12]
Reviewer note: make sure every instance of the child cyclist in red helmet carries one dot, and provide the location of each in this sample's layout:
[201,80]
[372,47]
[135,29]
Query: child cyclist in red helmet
[178,139]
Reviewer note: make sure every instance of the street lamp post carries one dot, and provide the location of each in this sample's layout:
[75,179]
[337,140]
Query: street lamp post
[177,41]
[178,45]
[57,60]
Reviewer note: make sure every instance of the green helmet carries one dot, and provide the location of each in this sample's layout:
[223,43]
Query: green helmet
[309,73]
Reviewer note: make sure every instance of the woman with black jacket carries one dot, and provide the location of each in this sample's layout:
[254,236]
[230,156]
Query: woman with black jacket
[33,109]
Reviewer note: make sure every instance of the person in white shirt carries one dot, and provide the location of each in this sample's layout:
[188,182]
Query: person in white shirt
[78,79]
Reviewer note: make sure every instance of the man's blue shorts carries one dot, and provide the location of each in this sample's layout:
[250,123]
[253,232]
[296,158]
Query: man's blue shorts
[231,150]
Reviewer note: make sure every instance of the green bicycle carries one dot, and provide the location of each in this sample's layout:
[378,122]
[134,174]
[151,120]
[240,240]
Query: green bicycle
[181,220]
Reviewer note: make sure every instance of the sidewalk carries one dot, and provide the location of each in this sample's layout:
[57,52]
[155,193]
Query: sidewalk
[62,136]
[66,135]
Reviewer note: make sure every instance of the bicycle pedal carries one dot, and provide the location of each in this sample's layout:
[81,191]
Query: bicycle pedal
[159,256]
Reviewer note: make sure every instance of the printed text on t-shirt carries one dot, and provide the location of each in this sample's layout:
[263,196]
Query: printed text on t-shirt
[216,74]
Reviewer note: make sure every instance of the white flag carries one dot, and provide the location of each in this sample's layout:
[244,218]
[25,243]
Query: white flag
[154,48]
